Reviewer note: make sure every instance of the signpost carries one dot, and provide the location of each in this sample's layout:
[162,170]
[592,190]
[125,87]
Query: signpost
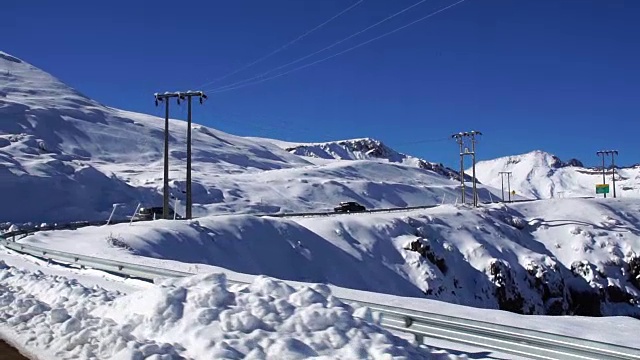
[602,189]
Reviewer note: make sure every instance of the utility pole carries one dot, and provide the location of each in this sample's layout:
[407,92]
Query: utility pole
[189,95]
[509,184]
[473,151]
[165,190]
[604,179]
[613,153]
[613,167]
[460,138]
[502,174]
[179,96]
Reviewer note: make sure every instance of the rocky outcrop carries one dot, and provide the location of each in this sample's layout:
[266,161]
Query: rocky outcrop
[634,271]
[541,286]
[507,291]
[367,148]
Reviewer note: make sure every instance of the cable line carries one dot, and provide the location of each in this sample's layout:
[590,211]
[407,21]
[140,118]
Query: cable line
[224,89]
[321,50]
[283,47]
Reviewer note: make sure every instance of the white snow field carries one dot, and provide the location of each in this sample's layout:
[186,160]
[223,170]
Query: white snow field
[565,256]
[538,174]
[65,157]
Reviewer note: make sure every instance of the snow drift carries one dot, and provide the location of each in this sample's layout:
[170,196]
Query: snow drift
[198,317]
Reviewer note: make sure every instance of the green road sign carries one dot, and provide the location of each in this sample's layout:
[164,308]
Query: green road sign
[602,188]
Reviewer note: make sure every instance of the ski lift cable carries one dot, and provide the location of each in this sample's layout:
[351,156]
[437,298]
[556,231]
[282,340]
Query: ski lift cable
[337,54]
[323,49]
[281,48]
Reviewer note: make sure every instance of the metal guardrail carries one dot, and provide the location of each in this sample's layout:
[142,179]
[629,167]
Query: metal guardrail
[506,339]
[333,213]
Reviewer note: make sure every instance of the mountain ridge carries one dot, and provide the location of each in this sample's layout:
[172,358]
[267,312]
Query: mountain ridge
[367,149]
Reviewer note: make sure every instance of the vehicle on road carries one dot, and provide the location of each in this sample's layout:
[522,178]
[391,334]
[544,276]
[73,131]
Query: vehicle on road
[153,213]
[349,206]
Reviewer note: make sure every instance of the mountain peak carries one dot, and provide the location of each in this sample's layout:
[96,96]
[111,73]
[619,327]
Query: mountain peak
[25,84]
[366,149]
[543,175]
[539,158]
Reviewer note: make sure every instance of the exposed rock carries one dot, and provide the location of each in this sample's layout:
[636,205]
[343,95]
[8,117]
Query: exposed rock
[506,291]
[585,303]
[574,163]
[634,271]
[549,282]
[617,295]
[422,247]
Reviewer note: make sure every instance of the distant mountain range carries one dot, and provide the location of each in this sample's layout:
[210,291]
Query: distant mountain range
[538,174]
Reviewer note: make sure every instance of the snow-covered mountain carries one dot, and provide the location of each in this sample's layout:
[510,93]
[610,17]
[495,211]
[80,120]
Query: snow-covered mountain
[66,157]
[538,174]
[365,149]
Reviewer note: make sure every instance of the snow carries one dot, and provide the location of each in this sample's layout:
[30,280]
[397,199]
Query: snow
[65,157]
[54,140]
[194,317]
[362,149]
[539,174]
[536,258]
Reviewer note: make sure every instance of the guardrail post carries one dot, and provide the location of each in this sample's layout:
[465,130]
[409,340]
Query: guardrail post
[419,338]
[134,213]
[112,212]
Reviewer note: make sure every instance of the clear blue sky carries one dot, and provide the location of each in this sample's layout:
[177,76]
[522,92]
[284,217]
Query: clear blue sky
[557,75]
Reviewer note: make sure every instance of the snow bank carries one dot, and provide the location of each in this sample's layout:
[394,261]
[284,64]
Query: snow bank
[199,317]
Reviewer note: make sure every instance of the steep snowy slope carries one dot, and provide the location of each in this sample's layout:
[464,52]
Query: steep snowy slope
[66,157]
[564,256]
[364,149]
[542,175]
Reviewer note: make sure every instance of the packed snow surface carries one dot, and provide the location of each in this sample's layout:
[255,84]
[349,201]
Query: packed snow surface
[197,317]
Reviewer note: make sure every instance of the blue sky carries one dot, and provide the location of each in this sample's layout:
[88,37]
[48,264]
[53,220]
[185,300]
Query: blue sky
[557,75]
